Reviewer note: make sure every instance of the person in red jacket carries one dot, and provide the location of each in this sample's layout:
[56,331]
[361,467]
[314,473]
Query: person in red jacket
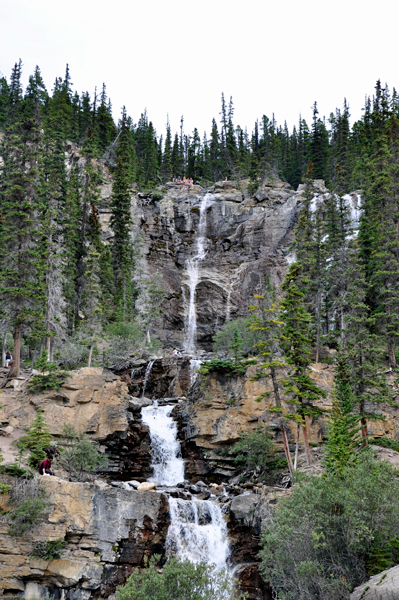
[45,467]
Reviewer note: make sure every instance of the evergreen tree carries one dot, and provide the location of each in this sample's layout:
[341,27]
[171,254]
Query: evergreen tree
[21,275]
[343,427]
[297,347]
[37,439]
[121,223]
[166,172]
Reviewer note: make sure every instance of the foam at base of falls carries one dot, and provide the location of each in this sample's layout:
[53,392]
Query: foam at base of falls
[197,532]
[167,462]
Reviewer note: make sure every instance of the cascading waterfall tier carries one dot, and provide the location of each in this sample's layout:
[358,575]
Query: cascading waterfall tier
[167,461]
[146,376]
[193,268]
[198,532]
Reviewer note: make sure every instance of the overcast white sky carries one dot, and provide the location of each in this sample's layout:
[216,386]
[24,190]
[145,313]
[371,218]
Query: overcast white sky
[178,56]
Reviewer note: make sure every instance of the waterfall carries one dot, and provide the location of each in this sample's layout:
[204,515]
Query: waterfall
[194,366]
[228,304]
[192,268]
[198,532]
[167,462]
[146,376]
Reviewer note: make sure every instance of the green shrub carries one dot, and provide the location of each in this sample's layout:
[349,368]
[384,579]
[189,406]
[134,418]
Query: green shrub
[386,443]
[15,470]
[222,340]
[333,532]
[51,376]
[226,366]
[256,452]
[26,516]
[156,196]
[49,550]
[4,488]
[178,580]
[78,455]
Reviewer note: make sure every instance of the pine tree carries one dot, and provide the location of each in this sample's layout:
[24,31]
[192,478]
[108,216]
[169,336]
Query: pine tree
[343,427]
[266,319]
[166,171]
[297,347]
[121,223]
[21,276]
[37,439]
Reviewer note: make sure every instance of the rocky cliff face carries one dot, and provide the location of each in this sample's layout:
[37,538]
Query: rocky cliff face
[246,237]
[108,531]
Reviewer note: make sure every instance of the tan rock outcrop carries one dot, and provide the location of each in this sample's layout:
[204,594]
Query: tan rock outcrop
[108,530]
[92,399]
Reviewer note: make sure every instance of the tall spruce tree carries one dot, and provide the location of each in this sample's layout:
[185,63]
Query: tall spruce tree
[21,276]
[297,347]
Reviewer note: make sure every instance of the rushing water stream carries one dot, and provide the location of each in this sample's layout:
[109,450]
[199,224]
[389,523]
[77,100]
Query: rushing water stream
[167,462]
[198,531]
[193,270]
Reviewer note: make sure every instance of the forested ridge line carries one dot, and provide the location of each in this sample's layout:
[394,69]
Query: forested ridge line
[60,282]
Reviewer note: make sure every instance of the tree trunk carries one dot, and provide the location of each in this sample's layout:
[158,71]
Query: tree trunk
[391,353]
[296,448]
[3,353]
[90,355]
[318,316]
[305,438]
[283,431]
[287,450]
[15,367]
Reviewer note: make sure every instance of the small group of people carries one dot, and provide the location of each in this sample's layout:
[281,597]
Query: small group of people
[175,352]
[45,467]
[184,183]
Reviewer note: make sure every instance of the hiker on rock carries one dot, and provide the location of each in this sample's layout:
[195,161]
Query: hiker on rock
[45,467]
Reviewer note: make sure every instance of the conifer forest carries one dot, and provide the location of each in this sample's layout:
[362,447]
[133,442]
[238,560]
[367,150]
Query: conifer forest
[74,294]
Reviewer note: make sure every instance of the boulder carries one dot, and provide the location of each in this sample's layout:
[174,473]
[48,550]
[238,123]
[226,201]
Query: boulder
[64,572]
[146,486]
[384,586]
[242,507]
[135,484]
[136,404]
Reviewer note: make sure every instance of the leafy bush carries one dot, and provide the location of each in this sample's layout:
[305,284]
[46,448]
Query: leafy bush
[15,470]
[26,516]
[4,488]
[178,580]
[333,532]
[222,340]
[257,453]
[78,455]
[51,376]
[49,550]
[225,365]
[386,443]
[156,196]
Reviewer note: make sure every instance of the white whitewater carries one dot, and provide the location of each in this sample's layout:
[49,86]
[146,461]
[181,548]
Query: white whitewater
[198,532]
[193,269]
[146,376]
[167,462]
[194,367]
